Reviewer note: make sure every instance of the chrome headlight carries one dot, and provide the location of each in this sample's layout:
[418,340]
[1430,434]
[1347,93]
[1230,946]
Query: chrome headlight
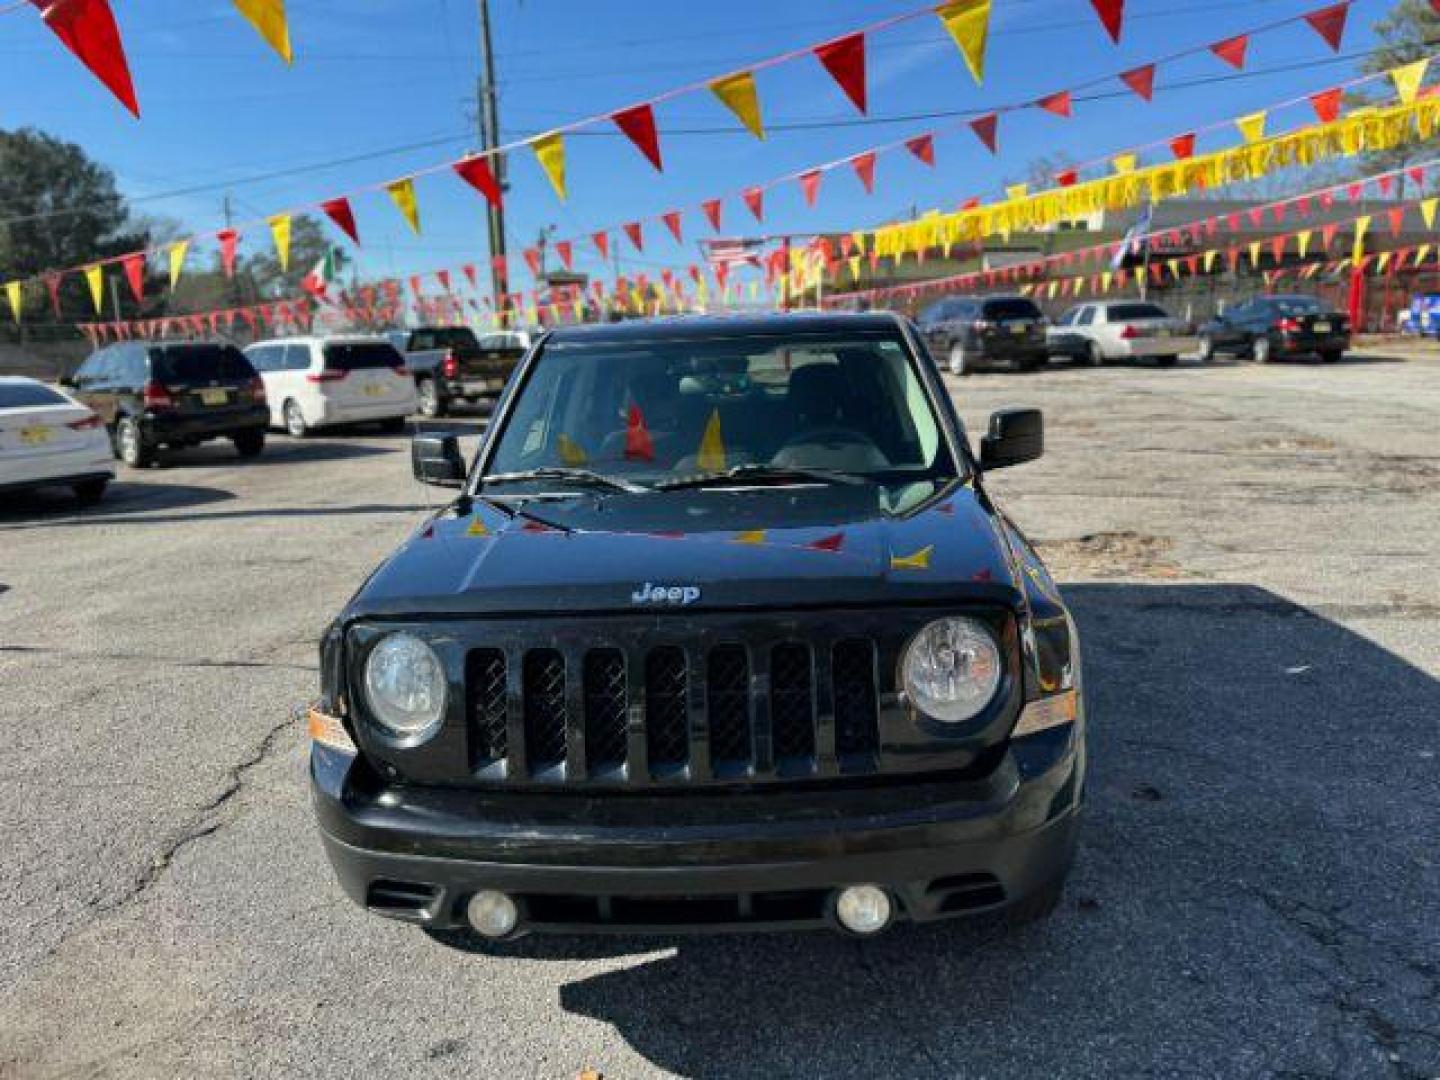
[405,686]
[951,669]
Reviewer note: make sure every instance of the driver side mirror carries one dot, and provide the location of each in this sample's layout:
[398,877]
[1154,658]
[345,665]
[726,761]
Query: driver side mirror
[1015,437]
[436,459]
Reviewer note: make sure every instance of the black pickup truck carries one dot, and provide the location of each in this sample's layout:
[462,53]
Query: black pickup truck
[449,363]
[722,631]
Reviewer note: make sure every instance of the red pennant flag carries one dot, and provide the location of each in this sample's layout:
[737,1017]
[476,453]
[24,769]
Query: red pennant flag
[52,282]
[135,274]
[1329,23]
[810,185]
[1302,205]
[638,123]
[1067,178]
[1277,247]
[864,165]
[1327,199]
[1327,235]
[1416,174]
[415,284]
[923,147]
[1256,214]
[637,238]
[476,172]
[1183,146]
[755,199]
[228,239]
[566,250]
[1232,50]
[672,222]
[833,542]
[1058,103]
[1141,80]
[844,58]
[1327,104]
[443,276]
[1353,192]
[1112,16]
[1386,184]
[87,28]
[338,211]
[712,212]
[602,244]
[1397,220]
[532,260]
[638,444]
[1279,211]
[985,129]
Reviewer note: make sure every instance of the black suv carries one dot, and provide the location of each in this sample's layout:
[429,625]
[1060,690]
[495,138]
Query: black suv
[173,395]
[967,333]
[1268,327]
[722,631]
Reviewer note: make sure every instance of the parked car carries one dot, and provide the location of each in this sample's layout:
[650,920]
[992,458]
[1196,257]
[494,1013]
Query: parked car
[1422,317]
[173,395]
[449,363]
[967,333]
[48,439]
[735,588]
[1268,327]
[1120,330]
[314,382]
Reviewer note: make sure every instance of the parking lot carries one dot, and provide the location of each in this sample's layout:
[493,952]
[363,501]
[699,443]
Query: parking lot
[1252,554]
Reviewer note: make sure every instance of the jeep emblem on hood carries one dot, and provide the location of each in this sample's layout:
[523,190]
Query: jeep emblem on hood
[665,594]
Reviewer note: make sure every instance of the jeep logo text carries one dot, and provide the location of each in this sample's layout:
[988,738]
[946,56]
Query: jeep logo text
[665,594]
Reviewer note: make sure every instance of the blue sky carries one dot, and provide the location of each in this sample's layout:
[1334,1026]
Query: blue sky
[374,77]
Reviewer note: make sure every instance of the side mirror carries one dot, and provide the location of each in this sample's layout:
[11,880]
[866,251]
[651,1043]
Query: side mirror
[436,459]
[1015,437]
[68,382]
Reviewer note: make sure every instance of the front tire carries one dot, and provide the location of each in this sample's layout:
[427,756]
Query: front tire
[295,425]
[393,426]
[1166,361]
[1262,351]
[130,445]
[1206,351]
[1095,355]
[249,444]
[1332,356]
[432,403]
[90,492]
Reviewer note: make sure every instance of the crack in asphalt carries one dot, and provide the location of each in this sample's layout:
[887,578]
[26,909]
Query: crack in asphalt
[173,661]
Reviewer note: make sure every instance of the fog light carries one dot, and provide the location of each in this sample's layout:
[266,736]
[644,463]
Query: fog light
[492,913]
[864,909]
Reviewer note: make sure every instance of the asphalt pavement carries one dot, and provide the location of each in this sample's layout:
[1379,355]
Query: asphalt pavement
[1252,554]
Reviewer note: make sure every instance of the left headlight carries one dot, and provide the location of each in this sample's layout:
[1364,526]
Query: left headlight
[952,669]
[405,686]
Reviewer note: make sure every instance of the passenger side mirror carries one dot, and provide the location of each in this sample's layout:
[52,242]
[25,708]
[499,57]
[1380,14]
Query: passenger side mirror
[1015,437]
[436,459]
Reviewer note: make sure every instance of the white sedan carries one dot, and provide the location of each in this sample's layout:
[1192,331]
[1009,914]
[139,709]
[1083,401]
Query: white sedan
[48,439]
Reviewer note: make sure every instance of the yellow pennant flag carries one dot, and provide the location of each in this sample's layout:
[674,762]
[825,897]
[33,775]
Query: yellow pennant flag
[178,251]
[854,264]
[1053,289]
[268,17]
[1016,191]
[550,151]
[1382,262]
[95,278]
[711,457]
[1125,163]
[1362,226]
[402,194]
[1105,280]
[919,560]
[1252,127]
[1427,211]
[571,452]
[1174,266]
[1255,253]
[1420,253]
[1210,257]
[1407,79]
[750,536]
[17,300]
[1302,240]
[969,24]
[738,93]
[280,232]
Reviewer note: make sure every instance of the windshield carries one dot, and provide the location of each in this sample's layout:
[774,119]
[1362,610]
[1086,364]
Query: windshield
[652,412]
[1297,305]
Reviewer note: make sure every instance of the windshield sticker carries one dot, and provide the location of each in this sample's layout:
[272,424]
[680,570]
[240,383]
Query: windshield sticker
[920,560]
[828,543]
[711,457]
[638,444]
[477,528]
[571,452]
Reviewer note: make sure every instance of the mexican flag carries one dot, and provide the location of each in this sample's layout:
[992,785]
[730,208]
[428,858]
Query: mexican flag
[317,282]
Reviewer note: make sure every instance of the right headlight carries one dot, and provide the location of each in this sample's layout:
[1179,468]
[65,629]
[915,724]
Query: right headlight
[405,686]
[951,669]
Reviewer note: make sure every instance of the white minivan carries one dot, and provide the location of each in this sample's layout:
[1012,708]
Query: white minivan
[314,382]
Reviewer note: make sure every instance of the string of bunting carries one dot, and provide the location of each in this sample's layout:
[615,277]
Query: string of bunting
[966,21]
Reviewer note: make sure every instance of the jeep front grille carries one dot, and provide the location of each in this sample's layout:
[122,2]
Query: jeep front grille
[732,711]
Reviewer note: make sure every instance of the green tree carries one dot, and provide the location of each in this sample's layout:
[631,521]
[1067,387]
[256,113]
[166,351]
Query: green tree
[1410,31]
[308,245]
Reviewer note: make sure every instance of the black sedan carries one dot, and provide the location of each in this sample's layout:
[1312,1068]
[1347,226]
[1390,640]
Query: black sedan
[1268,327]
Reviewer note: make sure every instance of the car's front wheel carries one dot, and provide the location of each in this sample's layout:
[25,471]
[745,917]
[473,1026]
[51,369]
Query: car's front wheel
[90,492]
[1262,351]
[249,444]
[432,402]
[1095,354]
[130,445]
[1332,356]
[295,425]
[1206,351]
[959,360]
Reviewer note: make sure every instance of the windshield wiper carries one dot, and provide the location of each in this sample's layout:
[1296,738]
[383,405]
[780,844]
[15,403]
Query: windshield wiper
[573,476]
[761,472]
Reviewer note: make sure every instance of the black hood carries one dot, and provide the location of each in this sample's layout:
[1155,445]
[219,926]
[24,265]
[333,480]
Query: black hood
[783,547]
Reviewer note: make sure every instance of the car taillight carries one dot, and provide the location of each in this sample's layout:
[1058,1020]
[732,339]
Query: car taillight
[88,423]
[450,366]
[155,396]
[1130,332]
[1288,326]
[400,369]
[325,376]
[256,386]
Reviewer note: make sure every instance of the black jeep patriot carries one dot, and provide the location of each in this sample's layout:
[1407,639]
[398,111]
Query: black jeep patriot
[723,631]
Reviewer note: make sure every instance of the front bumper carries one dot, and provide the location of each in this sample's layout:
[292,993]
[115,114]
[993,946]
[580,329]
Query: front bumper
[706,861]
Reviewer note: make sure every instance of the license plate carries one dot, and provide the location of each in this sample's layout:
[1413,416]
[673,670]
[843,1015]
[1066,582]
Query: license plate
[1322,328]
[214,397]
[35,436]
[1164,331]
[1018,328]
[372,390]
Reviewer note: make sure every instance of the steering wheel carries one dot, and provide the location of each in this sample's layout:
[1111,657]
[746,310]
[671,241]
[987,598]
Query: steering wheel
[830,435]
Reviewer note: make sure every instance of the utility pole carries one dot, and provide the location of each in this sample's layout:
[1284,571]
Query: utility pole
[489,139]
